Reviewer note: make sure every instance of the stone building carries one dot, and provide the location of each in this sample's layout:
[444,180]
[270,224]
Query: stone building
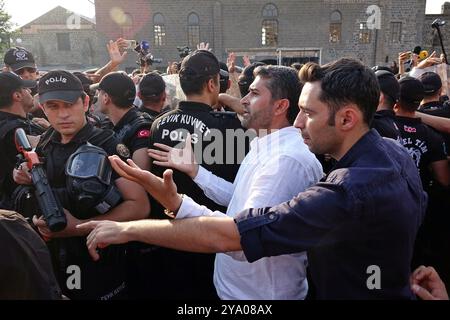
[430,37]
[62,39]
[284,30]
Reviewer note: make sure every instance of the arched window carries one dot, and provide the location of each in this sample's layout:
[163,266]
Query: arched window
[269,32]
[159,30]
[364,33]
[335,27]
[193,30]
[270,11]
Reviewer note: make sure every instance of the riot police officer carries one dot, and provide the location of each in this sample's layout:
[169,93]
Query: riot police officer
[117,93]
[152,92]
[78,171]
[15,102]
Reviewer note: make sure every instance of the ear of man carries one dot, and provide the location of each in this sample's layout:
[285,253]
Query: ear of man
[349,117]
[86,101]
[282,107]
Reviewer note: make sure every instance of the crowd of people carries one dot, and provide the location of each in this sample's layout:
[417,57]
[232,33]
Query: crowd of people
[260,182]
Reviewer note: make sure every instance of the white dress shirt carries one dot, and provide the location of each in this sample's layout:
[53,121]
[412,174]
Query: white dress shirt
[278,167]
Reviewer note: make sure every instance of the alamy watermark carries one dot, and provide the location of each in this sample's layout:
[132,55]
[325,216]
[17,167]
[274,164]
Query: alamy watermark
[374,280]
[215,147]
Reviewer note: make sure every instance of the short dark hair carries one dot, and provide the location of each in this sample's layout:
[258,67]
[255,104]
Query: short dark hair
[195,86]
[388,101]
[153,99]
[408,106]
[6,100]
[119,102]
[283,83]
[345,81]
[247,77]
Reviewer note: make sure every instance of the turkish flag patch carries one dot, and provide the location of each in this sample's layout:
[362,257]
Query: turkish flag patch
[143,134]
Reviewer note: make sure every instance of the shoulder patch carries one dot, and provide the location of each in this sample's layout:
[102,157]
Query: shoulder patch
[123,151]
[143,134]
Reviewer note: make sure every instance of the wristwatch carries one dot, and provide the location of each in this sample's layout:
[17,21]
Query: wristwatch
[172,214]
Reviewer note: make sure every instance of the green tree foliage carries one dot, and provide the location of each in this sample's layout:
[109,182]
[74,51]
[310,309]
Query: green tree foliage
[6,29]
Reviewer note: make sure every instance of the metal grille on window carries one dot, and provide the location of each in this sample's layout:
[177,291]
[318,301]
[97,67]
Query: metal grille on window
[364,33]
[396,32]
[159,30]
[193,30]
[269,30]
[335,27]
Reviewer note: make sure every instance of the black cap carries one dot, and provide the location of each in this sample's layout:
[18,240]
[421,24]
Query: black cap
[119,86]
[10,83]
[411,90]
[381,68]
[18,58]
[85,81]
[152,85]
[388,84]
[199,64]
[59,85]
[431,82]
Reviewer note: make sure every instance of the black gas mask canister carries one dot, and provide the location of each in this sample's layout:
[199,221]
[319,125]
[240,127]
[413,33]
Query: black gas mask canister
[88,174]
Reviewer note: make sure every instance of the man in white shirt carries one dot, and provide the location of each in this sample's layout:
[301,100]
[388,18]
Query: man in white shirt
[277,168]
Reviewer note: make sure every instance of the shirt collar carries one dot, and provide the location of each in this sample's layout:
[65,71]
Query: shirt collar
[365,145]
[274,136]
[78,138]
[429,105]
[409,120]
[8,115]
[194,106]
[385,113]
[127,118]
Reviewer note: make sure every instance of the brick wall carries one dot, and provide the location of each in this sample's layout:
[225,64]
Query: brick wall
[236,24]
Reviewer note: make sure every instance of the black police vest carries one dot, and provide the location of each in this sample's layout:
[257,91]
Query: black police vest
[7,125]
[99,279]
[97,137]
[143,121]
[7,129]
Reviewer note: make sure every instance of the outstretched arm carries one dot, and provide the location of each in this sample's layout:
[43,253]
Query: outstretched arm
[215,188]
[204,235]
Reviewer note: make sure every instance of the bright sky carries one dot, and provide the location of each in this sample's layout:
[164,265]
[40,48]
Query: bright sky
[24,11]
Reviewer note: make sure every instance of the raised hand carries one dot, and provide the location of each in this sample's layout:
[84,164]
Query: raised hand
[247,61]
[163,190]
[117,57]
[180,159]
[231,62]
[204,46]
[430,61]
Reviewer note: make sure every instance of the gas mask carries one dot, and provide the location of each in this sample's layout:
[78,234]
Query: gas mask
[88,173]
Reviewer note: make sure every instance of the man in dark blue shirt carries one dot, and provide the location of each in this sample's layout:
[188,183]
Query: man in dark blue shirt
[358,225]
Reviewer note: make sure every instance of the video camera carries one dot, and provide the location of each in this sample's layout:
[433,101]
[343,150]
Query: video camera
[144,54]
[184,51]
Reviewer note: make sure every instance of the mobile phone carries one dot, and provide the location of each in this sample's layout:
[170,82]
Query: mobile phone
[131,44]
